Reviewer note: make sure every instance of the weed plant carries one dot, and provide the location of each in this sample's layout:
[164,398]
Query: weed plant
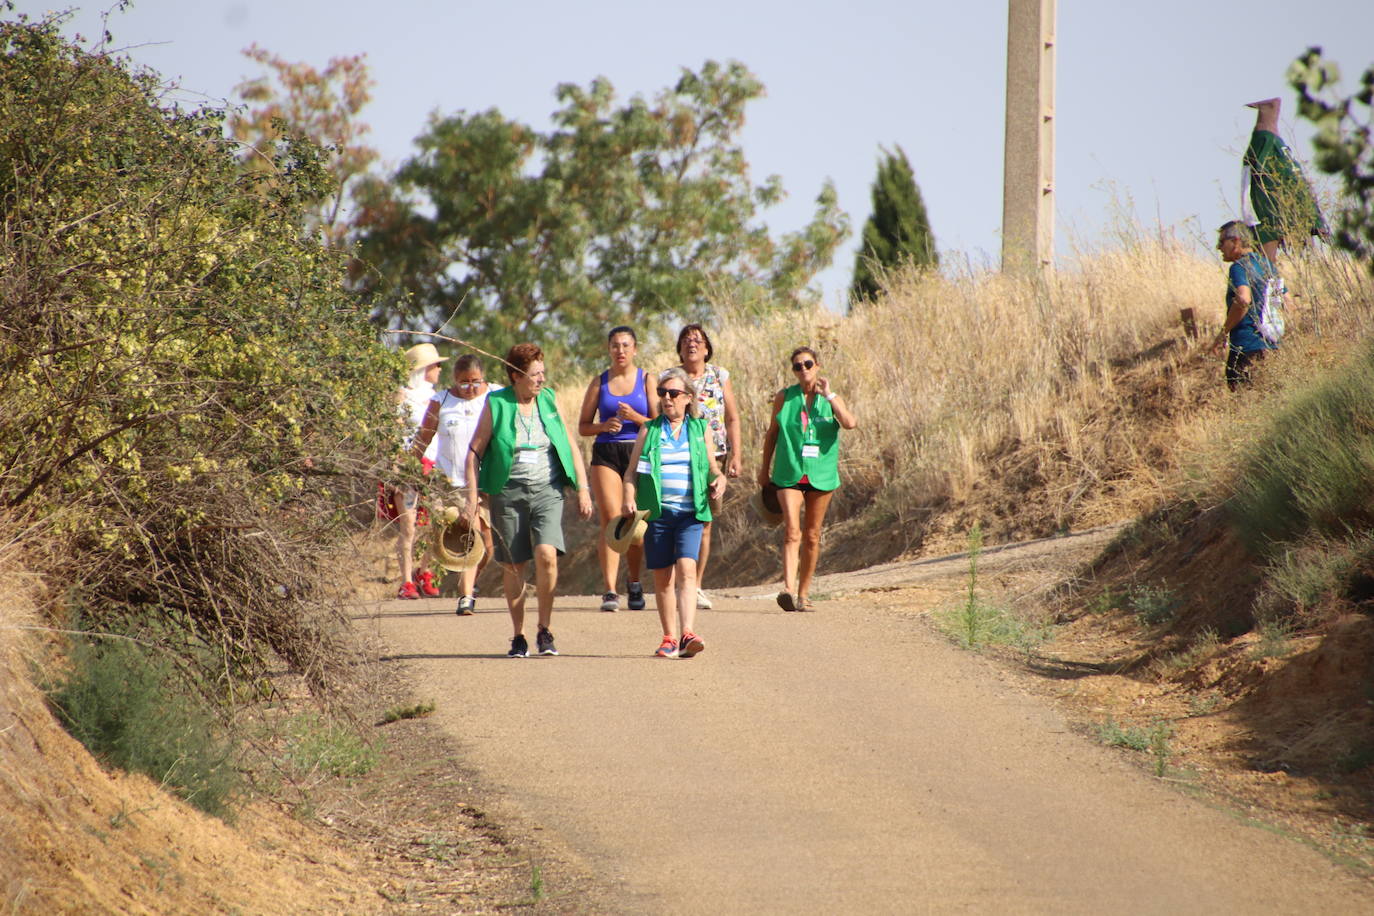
[1153,604]
[975,622]
[129,706]
[318,746]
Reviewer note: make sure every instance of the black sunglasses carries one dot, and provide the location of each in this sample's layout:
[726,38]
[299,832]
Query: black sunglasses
[671,392]
[804,364]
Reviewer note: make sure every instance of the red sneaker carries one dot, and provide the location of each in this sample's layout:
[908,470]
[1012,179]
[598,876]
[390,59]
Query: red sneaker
[426,583]
[409,591]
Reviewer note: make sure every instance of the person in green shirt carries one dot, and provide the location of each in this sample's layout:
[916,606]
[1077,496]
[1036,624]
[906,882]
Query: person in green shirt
[521,458]
[801,457]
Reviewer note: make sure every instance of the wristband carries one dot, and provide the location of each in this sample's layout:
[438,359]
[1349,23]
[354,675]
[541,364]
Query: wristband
[831,396]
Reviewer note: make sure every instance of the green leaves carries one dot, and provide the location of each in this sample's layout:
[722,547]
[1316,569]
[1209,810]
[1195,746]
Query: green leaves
[1344,144]
[898,231]
[619,214]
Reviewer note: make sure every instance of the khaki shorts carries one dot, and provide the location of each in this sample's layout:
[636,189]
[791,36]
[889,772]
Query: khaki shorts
[523,516]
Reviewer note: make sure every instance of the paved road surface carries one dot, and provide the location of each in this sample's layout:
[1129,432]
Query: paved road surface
[847,761]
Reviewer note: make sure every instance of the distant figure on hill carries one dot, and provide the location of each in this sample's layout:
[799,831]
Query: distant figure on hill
[801,457]
[1246,278]
[1282,207]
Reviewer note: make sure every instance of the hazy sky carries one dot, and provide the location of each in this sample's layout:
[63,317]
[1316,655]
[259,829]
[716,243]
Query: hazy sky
[1149,106]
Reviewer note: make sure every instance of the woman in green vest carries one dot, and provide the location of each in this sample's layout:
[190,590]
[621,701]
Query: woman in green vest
[521,458]
[673,475]
[801,457]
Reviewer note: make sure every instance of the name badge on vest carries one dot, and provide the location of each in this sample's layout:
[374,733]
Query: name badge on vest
[644,467]
[528,456]
[811,451]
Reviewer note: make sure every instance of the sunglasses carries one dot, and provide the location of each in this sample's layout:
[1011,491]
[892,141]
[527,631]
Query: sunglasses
[803,364]
[671,392]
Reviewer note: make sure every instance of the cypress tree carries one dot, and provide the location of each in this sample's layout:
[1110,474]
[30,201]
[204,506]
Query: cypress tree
[897,232]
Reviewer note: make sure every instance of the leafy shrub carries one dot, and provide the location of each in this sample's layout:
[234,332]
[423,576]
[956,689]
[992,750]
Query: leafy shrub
[1153,604]
[186,392]
[126,704]
[317,745]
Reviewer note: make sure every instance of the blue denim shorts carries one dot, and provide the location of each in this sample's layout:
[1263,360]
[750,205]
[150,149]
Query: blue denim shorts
[671,537]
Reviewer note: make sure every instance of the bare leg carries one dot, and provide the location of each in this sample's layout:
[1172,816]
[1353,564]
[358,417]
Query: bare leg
[687,593]
[705,553]
[545,580]
[791,502]
[513,581]
[816,504]
[607,488]
[1266,114]
[667,601]
[405,539]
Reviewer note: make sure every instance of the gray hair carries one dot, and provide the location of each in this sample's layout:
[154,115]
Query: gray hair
[677,372]
[1235,229]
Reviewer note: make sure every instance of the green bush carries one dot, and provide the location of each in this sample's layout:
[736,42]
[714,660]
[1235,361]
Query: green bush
[318,745]
[125,702]
[1312,471]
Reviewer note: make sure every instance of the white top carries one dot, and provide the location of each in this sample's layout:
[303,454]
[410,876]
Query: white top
[457,422]
[414,404]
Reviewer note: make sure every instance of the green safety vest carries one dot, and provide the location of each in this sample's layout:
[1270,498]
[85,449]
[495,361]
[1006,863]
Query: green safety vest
[647,490]
[496,460]
[822,470]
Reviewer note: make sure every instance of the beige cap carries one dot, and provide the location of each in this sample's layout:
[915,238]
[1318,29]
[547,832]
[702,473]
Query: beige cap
[422,356]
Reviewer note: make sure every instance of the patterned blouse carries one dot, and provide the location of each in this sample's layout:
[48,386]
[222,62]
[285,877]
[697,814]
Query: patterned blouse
[711,397]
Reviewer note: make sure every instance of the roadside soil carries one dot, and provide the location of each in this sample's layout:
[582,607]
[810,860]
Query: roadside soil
[854,760]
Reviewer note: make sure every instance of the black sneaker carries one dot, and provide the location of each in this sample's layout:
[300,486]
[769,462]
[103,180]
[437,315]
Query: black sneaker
[465,606]
[519,648]
[636,597]
[610,602]
[544,640]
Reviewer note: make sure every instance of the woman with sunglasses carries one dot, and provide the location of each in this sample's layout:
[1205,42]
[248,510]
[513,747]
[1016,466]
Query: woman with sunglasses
[452,417]
[717,400]
[801,458]
[616,404]
[673,476]
[521,458]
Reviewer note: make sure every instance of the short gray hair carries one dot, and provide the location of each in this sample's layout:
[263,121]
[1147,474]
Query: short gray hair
[1235,229]
[679,373]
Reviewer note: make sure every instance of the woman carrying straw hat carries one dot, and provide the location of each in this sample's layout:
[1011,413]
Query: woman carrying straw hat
[617,402]
[716,397]
[424,362]
[521,458]
[801,454]
[448,425]
[673,475]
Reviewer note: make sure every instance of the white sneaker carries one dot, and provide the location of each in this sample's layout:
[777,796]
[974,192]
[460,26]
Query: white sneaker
[703,600]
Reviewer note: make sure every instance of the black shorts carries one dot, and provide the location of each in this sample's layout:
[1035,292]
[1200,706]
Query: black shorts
[613,455]
[804,488]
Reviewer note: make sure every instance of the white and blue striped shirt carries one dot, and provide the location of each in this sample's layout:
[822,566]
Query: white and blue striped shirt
[675,464]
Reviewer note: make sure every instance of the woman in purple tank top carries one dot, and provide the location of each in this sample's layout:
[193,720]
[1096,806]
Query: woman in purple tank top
[617,403]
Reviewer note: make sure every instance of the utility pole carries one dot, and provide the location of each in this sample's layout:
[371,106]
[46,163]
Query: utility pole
[1028,163]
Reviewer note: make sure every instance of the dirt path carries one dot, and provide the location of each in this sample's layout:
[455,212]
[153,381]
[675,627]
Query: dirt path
[844,761]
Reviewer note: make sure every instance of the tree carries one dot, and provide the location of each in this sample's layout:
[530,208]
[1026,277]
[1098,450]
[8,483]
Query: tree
[321,106]
[898,231]
[619,214]
[186,391]
[1344,145]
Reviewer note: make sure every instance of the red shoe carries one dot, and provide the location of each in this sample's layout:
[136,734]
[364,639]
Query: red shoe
[409,591]
[426,582]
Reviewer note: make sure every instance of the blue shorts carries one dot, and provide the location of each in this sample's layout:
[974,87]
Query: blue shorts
[671,537]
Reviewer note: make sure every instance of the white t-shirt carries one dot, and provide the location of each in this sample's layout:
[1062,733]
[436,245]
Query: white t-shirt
[414,404]
[457,422]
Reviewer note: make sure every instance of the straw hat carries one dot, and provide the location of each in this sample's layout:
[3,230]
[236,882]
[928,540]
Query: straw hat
[422,356]
[766,504]
[622,533]
[457,544]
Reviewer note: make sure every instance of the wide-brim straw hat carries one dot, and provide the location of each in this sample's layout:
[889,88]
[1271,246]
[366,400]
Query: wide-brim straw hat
[623,532]
[422,356]
[767,505]
[457,543]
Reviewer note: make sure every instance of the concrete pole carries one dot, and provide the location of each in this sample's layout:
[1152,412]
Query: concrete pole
[1028,165]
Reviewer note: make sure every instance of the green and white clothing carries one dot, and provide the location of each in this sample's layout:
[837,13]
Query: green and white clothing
[674,471]
[808,445]
[525,448]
